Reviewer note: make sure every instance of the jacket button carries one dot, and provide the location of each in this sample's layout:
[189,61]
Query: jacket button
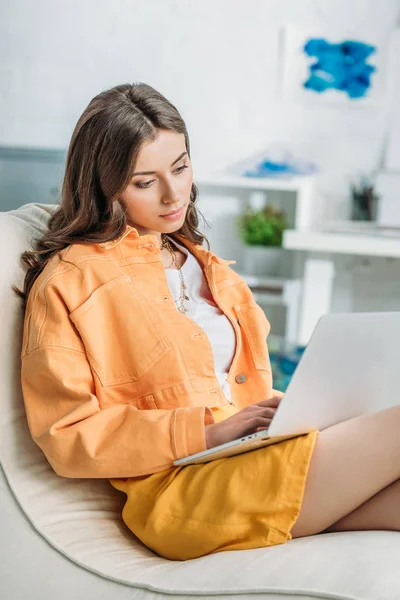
[240,378]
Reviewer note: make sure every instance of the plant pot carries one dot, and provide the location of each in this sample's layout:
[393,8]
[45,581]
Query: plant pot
[262,261]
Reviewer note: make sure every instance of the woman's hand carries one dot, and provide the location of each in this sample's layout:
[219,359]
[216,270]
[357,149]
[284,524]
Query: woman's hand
[248,420]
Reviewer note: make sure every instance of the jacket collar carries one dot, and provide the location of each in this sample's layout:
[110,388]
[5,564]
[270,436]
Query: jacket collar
[204,256]
[112,243]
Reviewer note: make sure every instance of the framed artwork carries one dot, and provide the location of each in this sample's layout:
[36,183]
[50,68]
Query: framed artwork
[327,67]
[392,154]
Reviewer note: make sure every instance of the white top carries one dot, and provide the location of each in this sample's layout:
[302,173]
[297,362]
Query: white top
[202,309]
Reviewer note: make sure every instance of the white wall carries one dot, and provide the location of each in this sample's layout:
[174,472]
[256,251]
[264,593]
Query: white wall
[217,60]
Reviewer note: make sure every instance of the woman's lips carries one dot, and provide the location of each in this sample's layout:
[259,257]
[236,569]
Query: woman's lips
[175,215]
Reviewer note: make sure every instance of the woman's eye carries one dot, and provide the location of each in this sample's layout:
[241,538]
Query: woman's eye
[146,184]
[181,169]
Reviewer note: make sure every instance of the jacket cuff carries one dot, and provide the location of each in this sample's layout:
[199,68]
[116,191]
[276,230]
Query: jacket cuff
[188,430]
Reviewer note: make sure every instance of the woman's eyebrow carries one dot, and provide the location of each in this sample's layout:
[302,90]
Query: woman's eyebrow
[152,172]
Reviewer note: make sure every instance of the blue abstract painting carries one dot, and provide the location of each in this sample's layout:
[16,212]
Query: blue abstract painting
[342,67]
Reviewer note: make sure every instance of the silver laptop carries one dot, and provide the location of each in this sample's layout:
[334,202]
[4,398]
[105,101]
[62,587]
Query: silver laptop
[349,368]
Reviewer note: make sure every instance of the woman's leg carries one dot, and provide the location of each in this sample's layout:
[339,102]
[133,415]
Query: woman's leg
[352,461]
[382,511]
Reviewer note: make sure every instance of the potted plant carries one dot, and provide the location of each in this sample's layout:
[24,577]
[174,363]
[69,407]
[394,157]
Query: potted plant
[262,231]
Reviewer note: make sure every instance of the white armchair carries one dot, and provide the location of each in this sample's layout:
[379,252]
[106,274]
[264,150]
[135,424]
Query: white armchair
[61,537]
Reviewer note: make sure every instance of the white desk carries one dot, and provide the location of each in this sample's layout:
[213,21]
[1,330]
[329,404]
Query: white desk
[321,246]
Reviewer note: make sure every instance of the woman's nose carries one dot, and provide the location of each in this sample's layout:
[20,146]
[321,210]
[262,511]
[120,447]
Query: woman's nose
[170,193]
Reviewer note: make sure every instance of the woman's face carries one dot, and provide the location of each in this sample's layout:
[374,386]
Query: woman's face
[161,184]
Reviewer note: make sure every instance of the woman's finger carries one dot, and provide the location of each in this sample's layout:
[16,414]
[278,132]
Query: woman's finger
[274,401]
[260,429]
[259,410]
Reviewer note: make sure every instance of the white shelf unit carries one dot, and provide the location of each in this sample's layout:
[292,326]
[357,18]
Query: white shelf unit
[303,186]
[273,290]
[258,183]
[278,291]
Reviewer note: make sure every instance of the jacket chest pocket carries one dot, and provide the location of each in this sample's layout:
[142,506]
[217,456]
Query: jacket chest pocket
[256,328]
[120,331]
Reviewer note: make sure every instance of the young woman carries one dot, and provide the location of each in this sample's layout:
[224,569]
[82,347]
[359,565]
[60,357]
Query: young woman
[141,346]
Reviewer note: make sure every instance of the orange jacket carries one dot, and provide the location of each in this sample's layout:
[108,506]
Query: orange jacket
[116,381]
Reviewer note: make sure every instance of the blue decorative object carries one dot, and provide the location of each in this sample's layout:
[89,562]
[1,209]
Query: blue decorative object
[283,169]
[341,67]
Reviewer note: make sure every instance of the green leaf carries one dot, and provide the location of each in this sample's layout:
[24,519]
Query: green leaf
[263,227]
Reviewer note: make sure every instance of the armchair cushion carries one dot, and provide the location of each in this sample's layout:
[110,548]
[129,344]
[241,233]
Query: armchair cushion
[82,518]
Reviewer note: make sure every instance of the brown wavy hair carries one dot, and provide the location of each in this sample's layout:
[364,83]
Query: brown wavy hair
[100,161]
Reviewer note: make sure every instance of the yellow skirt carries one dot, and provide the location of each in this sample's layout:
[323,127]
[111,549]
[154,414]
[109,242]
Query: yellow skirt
[251,500]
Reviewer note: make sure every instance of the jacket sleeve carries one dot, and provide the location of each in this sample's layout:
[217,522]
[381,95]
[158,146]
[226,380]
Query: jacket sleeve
[81,439]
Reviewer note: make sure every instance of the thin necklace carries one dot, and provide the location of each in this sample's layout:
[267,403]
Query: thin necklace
[165,243]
